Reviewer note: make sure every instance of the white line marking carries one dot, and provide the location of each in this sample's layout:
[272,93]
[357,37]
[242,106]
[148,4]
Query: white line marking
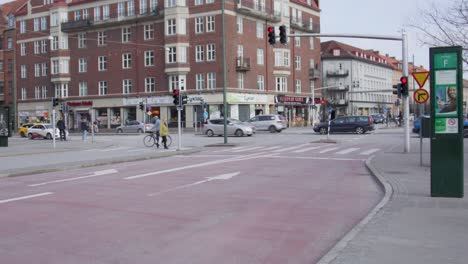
[246,157]
[306,149]
[95,174]
[248,149]
[220,177]
[346,151]
[135,150]
[222,150]
[327,150]
[290,148]
[314,158]
[368,152]
[270,148]
[25,197]
[105,150]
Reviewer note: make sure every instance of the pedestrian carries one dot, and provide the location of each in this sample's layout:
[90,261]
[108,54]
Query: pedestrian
[84,128]
[156,128]
[61,127]
[164,132]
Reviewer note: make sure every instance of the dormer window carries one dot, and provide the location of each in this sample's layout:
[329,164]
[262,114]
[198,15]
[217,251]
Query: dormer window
[336,52]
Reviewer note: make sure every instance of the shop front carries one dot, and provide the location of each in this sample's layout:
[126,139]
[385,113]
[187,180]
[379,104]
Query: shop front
[295,109]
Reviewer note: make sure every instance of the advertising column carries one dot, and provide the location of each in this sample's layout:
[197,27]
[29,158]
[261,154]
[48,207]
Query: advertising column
[447,122]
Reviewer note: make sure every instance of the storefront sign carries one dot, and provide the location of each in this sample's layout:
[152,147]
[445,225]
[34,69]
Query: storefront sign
[161,100]
[80,103]
[283,99]
[237,98]
[195,99]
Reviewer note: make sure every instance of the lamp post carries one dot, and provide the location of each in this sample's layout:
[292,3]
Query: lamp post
[224,71]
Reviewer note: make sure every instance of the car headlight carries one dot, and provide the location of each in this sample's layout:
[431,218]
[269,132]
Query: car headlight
[248,129]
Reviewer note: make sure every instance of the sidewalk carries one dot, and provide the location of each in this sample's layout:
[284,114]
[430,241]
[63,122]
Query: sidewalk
[410,227]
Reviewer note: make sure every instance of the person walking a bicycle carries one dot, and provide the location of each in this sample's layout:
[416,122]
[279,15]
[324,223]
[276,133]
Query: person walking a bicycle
[164,132]
[156,128]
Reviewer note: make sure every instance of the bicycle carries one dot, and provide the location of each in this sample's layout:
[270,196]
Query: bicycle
[150,140]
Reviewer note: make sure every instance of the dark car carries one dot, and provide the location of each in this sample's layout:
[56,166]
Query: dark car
[356,124]
[378,118]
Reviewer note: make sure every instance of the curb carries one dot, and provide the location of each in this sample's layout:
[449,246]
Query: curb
[87,164]
[334,252]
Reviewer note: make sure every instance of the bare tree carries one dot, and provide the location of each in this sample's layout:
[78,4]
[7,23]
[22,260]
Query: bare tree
[445,26]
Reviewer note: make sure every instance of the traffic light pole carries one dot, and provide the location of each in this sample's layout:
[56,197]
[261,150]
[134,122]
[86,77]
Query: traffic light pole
[53,125]
[179,116]
[404,40]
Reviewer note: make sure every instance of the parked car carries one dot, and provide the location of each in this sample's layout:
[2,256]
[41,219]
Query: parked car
[23,130]
[272,123]
[43,131]
[234,127]
[134,127]
[379,118]
[357,124]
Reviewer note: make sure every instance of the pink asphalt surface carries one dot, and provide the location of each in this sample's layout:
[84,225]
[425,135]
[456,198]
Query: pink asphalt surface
[276,210]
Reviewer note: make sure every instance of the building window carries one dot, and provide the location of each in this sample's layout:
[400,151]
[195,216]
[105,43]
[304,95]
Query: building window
[126,33]
[54,45]
[97,13]
[23,94]
[150,85]
[143,7]
[298,86]
[240,80]
[261,82]
[54,19]
[127,86]
[173,82]
[171,27]
[22,26]
[312,43]
[200,81]
[149,58]
[83,89]
[37,92]
[77,15]
[44,46]
[209,1]
[61,90]
[211,52]
[43,23]
[82,65]
[170,3]
[130,8]
[37,70]
[297,41]
[199,53]
[37,22]
[149,31]
[85,14]
[37,46]
[102,38]
[102,87]
[172,55]
[210,24]
[44,92]
[64,66]
[211,80]
[260,30]
[102,63]
[182,55]
[240,25]
[23,49]
[55,66]
[153,5]
[121,9]
[23,71]
[105,12]
[44,69]
[1,65]
[297,62]
[198,2]
[199,25]
[64,42]
[260,57]
[281,84]
[10,65]
[126,61]
[82,40]
[10,43]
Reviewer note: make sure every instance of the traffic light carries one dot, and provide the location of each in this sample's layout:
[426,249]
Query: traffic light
[271,35]
[142,106]
[55,102]
[184,99]
[175,95]
[404,85]
[397,90]
[282,34]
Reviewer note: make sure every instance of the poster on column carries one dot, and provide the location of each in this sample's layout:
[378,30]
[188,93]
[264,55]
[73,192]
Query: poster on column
[446,93]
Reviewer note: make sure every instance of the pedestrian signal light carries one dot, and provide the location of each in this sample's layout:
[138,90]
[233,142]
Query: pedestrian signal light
[142,106]
[184,99]
[397,90]
[282,34]
[175,95]
[271,35]
[404,85]
[55,102]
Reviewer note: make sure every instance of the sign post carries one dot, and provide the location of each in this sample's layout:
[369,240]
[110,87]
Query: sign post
[421,96]
[447,122]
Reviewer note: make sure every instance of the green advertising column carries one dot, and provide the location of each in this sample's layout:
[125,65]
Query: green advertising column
[447,122]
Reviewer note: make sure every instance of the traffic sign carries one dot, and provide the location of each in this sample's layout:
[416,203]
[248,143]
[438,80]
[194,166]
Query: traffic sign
[420,96]
[149,113]
[421,78]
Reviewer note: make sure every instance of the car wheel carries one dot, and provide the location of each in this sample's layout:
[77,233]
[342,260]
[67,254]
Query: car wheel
[30,136]
[49,136]
[272,129]
[323,130]
[139,131]
[239,133]
[209,133]
[119,131]
[22,134]
[359,130]
[249,135]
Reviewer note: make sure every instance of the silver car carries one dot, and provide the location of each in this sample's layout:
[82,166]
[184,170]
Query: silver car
[234,127]
[133,127]
[272,123]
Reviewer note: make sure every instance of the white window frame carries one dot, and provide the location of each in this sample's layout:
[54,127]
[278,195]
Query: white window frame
[37,24]
[127,85]
[298,86]
[55,68]
[43,23]
[130,8]
[37,92]
[23,71]
[23,49]
[54,18]
[97,13]
[126,60]
[105,12]
[82,65]
[199,53]
[83,89]
[102,36]
[240,25]
[149,58]
[54,43]
[240,80]
[211,80]
[23,93]
[43,46]
[82,42]
[210,52]
[77,15]
[149,31]
[171,55]
[312,43]
[153,5]
[260,57]
[85,14]
[150,85]
[102,85]
[44,92]
[171,27]
[261,82]
[281,84]
[199,25]
[126,34]
[44,69]
[260,30]
[170,3]
[143,7]
[22,26]
[102,63]
[37,47]
[200,81]
[210,24]
[298,62]
[198,2]
[37,70]
[120,10]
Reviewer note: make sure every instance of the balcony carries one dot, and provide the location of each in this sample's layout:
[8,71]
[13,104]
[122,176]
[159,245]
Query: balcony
[337,73]
[339,102]
[242,64]
[305,26]
[112,20]
[344,88]
[249,8]
[314,74]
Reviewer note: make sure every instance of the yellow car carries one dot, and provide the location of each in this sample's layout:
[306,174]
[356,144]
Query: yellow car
[23,130]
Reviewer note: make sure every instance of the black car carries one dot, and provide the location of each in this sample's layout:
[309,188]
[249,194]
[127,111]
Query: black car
[356,124]
[378,118]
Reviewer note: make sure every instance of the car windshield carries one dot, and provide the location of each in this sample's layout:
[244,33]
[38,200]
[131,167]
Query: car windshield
[48,126]
[235,121]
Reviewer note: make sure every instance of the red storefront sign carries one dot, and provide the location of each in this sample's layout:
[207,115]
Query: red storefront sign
[283,99]
[80,103]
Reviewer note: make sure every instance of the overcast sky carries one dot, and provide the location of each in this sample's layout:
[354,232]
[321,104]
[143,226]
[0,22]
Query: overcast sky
[377,17]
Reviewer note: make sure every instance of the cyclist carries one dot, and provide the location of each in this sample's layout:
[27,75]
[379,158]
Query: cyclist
[157,124]
[164,133]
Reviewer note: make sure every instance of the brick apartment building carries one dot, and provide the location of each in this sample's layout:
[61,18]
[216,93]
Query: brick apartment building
[102,58]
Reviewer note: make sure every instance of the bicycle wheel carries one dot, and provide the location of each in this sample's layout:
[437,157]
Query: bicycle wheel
[169,141]
[148,140]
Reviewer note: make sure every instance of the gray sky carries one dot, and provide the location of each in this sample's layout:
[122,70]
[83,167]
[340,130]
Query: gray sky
[376,17]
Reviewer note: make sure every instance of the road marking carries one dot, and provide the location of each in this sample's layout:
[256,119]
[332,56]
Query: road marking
[105,150]
[25,197]
[247,149]
[246,157]
[95,174]
[346,151]
[135,150]
[368,152]
[222,150]
[208,179]
[328,150]
[306,149]
[314,158]
[270,148]
[290,148]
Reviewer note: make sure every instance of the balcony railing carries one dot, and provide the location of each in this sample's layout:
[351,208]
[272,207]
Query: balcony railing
[339,102]
[339,88]
[113,20]
[249,8]
[242,64]
[314,74]
[305,26]
[338,73]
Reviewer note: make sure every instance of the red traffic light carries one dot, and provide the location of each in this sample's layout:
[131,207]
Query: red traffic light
[271,30]
[404,80]
[175,92]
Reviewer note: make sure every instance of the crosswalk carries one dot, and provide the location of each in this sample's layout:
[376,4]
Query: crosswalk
[127,149]
[302,149]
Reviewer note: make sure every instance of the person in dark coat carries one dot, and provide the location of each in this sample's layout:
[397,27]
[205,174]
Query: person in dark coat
[61,127]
